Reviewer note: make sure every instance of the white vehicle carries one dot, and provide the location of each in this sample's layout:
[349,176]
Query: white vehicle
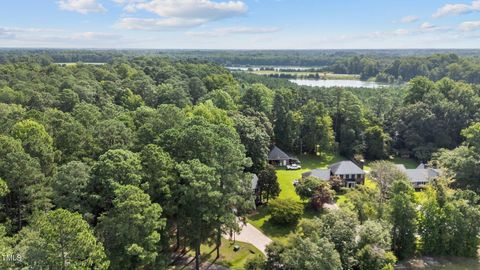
[294,167]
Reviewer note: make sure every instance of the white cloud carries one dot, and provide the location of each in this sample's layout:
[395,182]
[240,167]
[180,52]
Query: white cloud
[6,33]
[59,38]
[220,32]
[401,32]
[178,13]
[81,6]
[199,9]
[457,9]
[470,26]
[94,36]
[409,19]
[157,24]
[427,25]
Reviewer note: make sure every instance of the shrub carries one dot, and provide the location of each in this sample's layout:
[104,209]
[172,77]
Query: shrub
[255,263]
[285,211]
[371,257]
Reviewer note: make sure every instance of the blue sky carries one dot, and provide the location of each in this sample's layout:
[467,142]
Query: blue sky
[235,24]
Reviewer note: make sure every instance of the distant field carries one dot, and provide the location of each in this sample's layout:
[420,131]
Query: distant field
[304,74]
[74,64]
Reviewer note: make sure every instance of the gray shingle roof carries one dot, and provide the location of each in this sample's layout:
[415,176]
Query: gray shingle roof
[420,174]
[345,167]
[401,167]
[277,154]
[323,174]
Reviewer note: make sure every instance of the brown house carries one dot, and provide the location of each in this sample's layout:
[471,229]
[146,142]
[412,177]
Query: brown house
[277,157]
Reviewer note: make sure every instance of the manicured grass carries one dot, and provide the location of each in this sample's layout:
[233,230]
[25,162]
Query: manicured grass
[408,162]
[234,260]
[309,162]
[261,221]
[285,178]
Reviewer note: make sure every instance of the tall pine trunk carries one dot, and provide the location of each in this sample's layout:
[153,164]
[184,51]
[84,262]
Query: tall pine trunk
[219,240]
[178,238]
[197,256]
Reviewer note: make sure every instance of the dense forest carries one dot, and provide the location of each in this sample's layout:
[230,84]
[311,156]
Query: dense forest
[122,165]
[383,65]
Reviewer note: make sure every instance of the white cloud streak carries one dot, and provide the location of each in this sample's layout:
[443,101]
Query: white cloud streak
[409,19]
[221,32]
[457,9]
[81,6]
[174,14]
[470,26]
[157,24]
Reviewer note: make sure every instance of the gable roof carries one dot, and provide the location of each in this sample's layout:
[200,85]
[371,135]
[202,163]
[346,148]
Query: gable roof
[401,167]
[323,174]
[277,154]
[345,167]
[420,174]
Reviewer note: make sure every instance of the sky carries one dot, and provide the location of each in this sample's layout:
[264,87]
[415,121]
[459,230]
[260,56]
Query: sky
[236,24]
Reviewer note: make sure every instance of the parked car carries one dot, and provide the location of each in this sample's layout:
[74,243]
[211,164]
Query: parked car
[294,167]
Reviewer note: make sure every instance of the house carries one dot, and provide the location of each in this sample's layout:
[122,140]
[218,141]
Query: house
[277,157]
[347,170]
[420,176]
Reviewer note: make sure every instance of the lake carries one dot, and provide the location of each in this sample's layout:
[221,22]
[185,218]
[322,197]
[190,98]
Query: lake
[338,83]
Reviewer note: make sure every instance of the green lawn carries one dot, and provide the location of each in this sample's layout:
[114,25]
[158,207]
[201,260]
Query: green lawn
[285,179]
[234,260]
[408,162]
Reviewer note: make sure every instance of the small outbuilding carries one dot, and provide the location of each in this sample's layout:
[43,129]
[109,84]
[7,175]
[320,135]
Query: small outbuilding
[278,157]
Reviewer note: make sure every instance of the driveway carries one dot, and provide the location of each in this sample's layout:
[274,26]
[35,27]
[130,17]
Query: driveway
[254,236]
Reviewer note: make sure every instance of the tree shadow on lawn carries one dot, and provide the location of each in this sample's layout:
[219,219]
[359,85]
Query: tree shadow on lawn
[261,220]
[310,162]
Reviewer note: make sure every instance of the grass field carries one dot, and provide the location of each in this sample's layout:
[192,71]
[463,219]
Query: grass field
[74,64]
[323,75]
[234,260]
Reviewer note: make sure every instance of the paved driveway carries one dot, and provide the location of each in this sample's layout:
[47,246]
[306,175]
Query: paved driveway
[254,236]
